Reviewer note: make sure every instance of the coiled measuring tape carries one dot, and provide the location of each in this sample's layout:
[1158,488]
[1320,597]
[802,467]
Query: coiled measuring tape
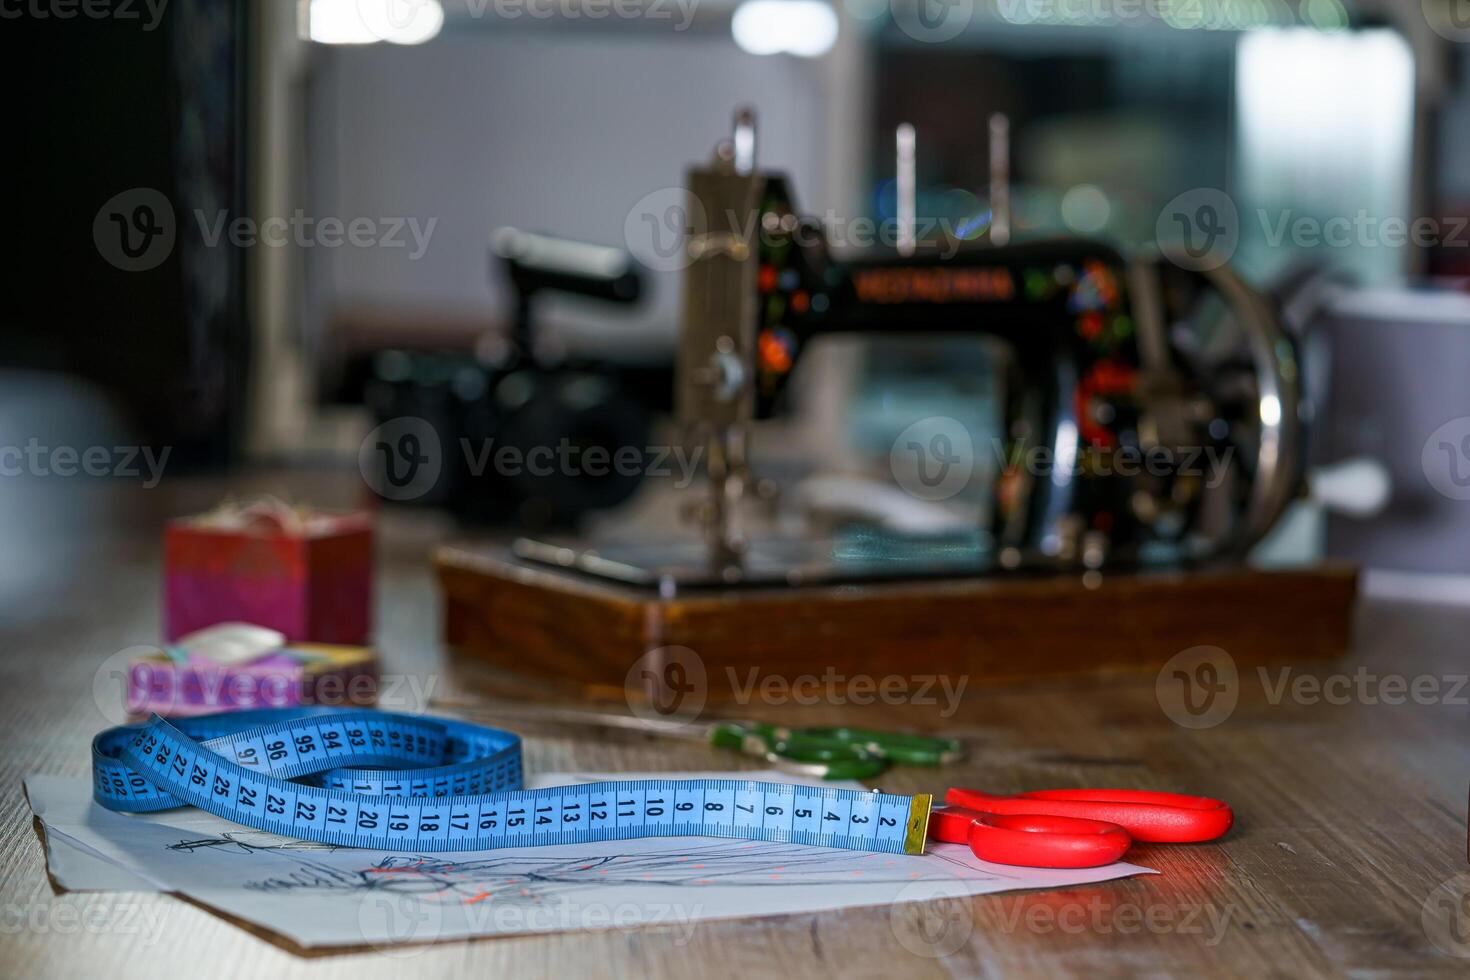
[362,778]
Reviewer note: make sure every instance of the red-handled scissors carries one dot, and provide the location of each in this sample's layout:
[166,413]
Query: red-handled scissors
[1073,828]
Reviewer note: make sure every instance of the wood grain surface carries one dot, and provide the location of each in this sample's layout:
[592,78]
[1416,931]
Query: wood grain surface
[1351,808]
[560,624]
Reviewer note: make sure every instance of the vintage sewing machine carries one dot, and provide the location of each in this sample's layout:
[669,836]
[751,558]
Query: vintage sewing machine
[1123,374]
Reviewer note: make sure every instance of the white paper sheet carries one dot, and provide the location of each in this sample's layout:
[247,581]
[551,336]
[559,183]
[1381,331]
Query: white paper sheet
[320,895]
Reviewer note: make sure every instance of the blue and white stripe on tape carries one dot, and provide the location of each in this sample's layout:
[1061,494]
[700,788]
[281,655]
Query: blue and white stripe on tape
[363,778]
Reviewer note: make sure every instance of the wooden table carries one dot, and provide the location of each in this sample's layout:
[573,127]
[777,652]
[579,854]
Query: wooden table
[1350,815]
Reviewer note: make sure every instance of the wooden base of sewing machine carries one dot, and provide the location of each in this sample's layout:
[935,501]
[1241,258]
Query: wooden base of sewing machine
[567,628]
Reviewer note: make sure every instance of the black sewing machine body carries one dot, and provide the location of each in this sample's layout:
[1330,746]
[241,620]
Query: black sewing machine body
[1122,377]
[1124,424]
[1059,309]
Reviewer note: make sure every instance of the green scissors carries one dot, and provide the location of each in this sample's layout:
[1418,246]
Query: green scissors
[833,753]
[827,752]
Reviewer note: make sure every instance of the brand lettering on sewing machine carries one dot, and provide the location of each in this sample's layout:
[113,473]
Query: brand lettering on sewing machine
[916,285]
[568,459]
[835,688]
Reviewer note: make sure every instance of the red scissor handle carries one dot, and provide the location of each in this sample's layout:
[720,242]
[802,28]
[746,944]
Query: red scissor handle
[1031,840]
[1147,816]
[951,824]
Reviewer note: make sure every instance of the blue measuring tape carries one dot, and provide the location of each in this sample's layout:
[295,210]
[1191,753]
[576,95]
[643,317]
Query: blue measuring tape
[363,778]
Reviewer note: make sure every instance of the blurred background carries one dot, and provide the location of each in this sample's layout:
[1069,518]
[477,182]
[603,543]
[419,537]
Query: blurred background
[254,231]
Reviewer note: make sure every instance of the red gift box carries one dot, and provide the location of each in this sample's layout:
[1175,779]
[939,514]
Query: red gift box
[308,574]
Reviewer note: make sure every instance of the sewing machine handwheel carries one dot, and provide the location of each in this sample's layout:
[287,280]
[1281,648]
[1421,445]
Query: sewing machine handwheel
[1229,341]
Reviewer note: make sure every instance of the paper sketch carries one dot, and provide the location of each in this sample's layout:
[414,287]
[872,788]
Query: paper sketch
[323,895]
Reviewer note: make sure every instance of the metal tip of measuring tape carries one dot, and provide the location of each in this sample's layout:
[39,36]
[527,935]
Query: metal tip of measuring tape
[917,832]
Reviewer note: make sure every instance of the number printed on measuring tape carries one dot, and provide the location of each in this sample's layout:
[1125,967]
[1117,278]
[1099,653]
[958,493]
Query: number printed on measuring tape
[363,778]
